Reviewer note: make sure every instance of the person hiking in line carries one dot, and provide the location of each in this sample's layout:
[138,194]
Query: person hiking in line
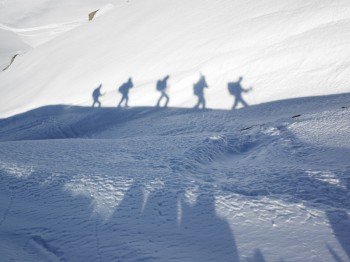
[236,89]
[124,90]
[198,90]
[161,87]
[96,95]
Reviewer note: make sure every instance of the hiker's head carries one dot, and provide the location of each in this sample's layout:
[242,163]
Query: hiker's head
[129,79]
[240,79]
[167,77]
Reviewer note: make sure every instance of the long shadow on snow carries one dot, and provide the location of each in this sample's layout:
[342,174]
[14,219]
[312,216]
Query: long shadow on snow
[160,229]
[79,122]
[166,228]
[61,121]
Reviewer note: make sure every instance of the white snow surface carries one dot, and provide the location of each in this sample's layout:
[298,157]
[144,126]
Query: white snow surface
[154,184]
[282,49]
[26,24]
[268,182]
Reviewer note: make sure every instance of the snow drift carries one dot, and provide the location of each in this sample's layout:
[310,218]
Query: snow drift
[155,184]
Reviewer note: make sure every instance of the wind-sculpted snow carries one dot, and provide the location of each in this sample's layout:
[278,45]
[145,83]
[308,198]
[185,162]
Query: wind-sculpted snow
[168,181]
[177,184]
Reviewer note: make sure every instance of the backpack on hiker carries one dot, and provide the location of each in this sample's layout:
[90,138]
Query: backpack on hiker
[96,93]
[160,85]
[123,88]
[232,88]
[197,89]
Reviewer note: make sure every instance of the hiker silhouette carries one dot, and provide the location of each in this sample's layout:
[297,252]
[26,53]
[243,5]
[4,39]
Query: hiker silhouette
[161,87]
[198,90]
[199,234]
[96,95]
[124,90]
[236,89]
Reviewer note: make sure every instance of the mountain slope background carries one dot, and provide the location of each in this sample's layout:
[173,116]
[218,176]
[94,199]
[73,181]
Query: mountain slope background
[283,50]
[25,25]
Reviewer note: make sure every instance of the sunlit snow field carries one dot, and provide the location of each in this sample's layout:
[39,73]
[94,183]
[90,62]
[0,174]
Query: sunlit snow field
[268,182]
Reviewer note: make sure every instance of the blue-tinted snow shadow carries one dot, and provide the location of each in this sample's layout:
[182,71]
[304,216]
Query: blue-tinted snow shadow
[340,223]
[236,90]
[165,228]
[136,222]
[161,227]
[63,121]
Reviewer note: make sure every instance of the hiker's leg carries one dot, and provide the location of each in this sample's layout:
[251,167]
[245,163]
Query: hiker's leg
[235,103]
[159,100]
[244,103]
[99,103]
[126,100]
[121,101]
[167,100]
[198,102]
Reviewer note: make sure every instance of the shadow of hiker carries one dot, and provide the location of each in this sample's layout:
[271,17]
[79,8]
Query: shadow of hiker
[208,235]
[257,256]
[340,223]
[334,254]
[124,90]
[161,86]
[96,94]
[164,227]
[236,89]
[198,90]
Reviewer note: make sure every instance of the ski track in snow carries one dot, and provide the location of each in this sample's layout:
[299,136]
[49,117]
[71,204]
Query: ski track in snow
[189,186]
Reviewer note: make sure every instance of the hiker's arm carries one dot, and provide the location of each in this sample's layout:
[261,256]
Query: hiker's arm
[247,90]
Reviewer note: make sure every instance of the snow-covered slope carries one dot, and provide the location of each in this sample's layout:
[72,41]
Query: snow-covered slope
[148,184]
[26,24]
[10,46]
[269,182]
[283,49]
[36,13]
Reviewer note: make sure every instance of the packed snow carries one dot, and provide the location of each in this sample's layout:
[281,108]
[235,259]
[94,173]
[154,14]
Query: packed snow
[269,181]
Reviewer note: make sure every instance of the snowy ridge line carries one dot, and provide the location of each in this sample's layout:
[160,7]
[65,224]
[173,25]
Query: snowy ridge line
[53,122]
